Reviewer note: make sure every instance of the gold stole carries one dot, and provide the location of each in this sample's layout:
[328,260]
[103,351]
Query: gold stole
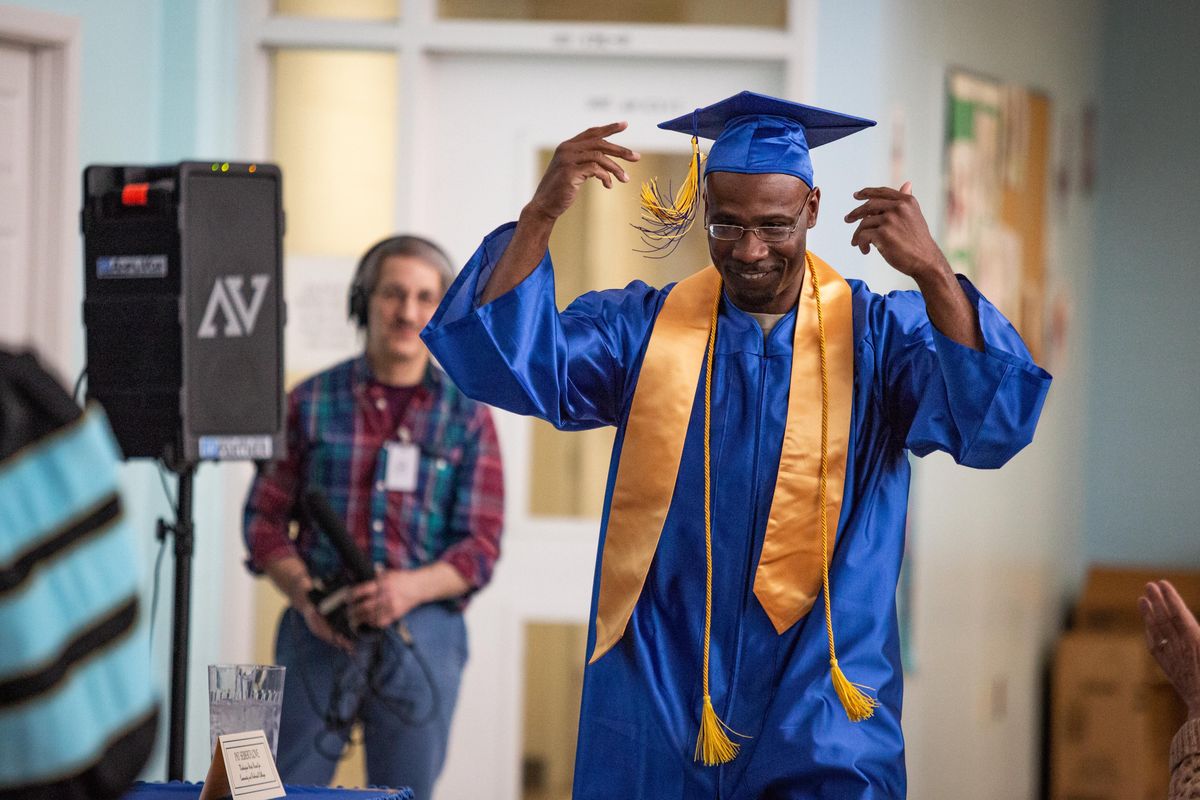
[788,576]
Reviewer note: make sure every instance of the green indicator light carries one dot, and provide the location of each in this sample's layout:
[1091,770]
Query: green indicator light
[215,166]
[225,167]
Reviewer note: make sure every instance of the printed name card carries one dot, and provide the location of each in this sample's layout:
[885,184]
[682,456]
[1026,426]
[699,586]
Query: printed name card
[242,768]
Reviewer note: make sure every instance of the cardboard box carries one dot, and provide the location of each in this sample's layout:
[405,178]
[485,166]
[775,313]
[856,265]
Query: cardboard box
[1110,593]
[1113,717]
[1113,712]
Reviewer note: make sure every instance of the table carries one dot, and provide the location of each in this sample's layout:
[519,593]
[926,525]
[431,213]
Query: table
[182,790]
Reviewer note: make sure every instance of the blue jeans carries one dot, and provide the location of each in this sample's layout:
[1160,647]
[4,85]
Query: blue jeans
[403,695]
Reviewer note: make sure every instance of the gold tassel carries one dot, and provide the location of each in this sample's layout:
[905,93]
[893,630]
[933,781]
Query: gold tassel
[858,705]
[713,745]
[667,220]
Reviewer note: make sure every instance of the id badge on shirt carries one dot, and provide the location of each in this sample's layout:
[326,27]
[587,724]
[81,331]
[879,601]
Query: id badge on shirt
[402,461]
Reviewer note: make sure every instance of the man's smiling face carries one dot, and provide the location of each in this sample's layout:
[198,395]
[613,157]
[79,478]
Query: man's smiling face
[761,277]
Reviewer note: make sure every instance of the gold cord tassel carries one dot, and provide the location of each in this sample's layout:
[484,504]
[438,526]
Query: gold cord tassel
[858,705]
[666,220]
[713,745]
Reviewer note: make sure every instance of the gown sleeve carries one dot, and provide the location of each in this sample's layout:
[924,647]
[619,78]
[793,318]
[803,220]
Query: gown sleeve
[519,353]
[980,407]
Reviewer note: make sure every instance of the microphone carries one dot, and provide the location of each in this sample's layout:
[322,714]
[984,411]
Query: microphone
[330,600]
[355,560]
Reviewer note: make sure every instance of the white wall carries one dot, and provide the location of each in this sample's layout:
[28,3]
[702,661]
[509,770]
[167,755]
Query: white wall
[1144,362]
[994,554]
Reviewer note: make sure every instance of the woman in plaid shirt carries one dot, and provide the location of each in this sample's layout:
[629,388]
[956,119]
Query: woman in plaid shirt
[413,468]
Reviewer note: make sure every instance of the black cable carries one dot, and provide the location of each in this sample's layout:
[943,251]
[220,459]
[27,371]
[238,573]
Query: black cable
[404,639]
[162,478]
[163,530]
[162,548]
[342,727]
[78,384]
[334,724]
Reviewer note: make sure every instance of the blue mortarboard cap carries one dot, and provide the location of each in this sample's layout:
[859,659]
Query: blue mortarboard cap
[756,133]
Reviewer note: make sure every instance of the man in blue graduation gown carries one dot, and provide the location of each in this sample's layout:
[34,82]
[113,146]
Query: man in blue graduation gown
[711,643]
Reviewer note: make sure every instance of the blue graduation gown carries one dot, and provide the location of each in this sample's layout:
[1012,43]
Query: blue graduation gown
[914,390]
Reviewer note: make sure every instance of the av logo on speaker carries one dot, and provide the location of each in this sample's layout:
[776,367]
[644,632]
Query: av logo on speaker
[227,297]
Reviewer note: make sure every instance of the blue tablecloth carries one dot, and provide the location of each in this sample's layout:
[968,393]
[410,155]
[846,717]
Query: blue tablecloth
[188,791]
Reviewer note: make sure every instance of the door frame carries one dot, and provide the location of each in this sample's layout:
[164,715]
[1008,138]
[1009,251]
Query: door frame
[55,288]
[420,36]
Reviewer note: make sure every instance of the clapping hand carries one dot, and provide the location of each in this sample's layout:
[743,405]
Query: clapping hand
[1173,636]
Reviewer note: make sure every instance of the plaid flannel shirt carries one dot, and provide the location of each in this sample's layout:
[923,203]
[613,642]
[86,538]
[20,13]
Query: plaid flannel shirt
[337,431]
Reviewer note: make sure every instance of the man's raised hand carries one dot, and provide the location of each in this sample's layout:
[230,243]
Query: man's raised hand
[892,221]
[588,155]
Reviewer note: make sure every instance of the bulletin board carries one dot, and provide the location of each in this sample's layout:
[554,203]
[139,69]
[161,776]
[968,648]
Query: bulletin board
[998,165]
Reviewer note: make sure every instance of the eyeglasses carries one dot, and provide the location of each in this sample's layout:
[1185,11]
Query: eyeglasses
[772,234]
[767,233]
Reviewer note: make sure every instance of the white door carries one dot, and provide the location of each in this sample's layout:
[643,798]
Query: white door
[16,193]
[496,117]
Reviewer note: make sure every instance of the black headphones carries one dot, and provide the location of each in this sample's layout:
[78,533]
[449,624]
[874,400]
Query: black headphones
[360,295]
[356,306]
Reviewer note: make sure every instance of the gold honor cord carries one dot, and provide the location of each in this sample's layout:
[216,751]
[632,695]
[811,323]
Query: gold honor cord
[793,567]
[858,705]
[713,745]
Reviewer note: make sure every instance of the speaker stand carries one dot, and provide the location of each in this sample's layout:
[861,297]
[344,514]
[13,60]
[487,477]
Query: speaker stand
[183,531]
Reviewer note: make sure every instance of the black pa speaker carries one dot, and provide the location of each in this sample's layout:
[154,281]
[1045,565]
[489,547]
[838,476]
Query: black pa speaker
[183,306]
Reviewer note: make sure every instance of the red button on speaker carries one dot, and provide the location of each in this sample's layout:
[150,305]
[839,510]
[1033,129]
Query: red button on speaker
[135,194]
